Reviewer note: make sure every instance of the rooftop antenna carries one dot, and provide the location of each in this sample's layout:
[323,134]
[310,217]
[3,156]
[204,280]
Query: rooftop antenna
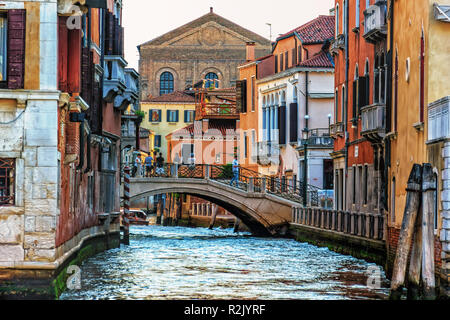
[270,26]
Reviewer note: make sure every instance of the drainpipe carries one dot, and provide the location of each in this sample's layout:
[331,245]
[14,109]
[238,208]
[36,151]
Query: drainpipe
[346,105]
[102,63]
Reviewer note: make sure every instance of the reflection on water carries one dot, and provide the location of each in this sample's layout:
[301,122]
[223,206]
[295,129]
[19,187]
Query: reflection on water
[185,263]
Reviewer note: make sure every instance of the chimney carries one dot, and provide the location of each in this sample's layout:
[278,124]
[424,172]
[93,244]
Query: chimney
[250,51]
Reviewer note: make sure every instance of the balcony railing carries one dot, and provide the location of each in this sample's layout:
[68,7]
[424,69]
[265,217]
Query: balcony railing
[131,93]
[319,138]
[375,22]
[338,44]
[337,129]
[373,122]
[114,83]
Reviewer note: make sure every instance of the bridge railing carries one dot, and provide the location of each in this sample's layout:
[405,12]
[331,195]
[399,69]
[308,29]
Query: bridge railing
[366,225]
[248,180]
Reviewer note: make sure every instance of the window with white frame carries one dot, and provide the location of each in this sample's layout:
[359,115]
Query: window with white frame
[3,47]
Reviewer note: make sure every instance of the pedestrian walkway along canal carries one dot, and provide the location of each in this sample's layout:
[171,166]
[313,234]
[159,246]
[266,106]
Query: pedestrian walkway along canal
[197,263]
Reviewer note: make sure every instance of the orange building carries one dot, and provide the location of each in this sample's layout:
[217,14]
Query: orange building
[360,51]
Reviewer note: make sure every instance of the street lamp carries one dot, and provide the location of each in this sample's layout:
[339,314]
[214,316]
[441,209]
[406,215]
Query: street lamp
[305,137]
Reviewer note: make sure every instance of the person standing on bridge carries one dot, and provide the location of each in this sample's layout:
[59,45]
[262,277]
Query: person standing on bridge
[148,165]
[160,165]
[235,171]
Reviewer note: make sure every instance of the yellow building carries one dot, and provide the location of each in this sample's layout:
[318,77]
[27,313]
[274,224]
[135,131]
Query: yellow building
[165,114]
[420,104]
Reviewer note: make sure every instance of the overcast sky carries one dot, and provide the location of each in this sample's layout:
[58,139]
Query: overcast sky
[145,20]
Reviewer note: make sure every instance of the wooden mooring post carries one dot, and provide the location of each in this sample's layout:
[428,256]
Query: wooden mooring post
[428,272]
[213,216]
[406,233]
[418,224]
[236,225]
[126,206]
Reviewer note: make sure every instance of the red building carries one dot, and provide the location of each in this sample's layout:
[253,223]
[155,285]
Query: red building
[97,88]
[359,50]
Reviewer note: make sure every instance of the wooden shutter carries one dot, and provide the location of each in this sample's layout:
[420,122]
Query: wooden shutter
[109,39]
[293,116]
[241,95]
[286,62]
[276,64]
[177,115]
[63,55]
[168,116]
[16,48]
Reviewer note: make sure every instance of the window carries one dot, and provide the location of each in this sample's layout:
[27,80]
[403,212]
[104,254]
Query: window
[365,183]
[436,202]
[7,185]
[342,103]
[172,115]
[357,9]
[299,54]
[189,115]
[245,145]
[155,115]
[354,185]
[3,47]
[328,174]
[367,3]
[337,20]
[393,201]
[396,90]
[276,64]
[253,151]
[344,19]
[281,62]
[253,87]
[422,78]
[286,60]
[158,141]
[12,49]
[165,83]
[212,80]
[336,106]
[355,93]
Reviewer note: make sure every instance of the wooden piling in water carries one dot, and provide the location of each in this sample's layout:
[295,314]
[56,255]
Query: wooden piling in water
[159,210]
[428,272]
[415,262]
[126,206]
[213,217]
[236,225]
[404,242]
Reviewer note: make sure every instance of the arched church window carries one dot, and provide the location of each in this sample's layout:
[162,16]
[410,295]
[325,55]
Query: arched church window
[210,77]
[166,83]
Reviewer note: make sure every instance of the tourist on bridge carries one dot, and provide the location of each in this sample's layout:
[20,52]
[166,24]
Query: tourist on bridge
[148,165]
[235,172]
[160,165]
[136,166]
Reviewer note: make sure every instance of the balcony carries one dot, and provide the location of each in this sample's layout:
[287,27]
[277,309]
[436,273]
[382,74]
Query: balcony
[267,153]
[131,94]
[128,138]
[373,122]
[375,22]
[216,104]
[338,44]
[337,130]
[114,83]
[319,138]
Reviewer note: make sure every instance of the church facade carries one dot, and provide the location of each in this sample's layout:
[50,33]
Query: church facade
[210,47]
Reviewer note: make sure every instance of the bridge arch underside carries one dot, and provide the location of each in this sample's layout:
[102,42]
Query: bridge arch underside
[255,222]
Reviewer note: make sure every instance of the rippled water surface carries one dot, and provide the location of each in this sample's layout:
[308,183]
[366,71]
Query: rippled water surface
[186,263]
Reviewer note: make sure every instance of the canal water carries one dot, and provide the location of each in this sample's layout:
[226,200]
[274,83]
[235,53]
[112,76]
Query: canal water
[167,263]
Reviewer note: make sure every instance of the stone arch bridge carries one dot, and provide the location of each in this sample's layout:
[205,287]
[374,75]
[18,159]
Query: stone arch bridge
[264,206]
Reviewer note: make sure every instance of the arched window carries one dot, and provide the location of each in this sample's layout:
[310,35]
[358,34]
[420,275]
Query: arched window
[344,19]
[166,83]
[337,20]
[211,77]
